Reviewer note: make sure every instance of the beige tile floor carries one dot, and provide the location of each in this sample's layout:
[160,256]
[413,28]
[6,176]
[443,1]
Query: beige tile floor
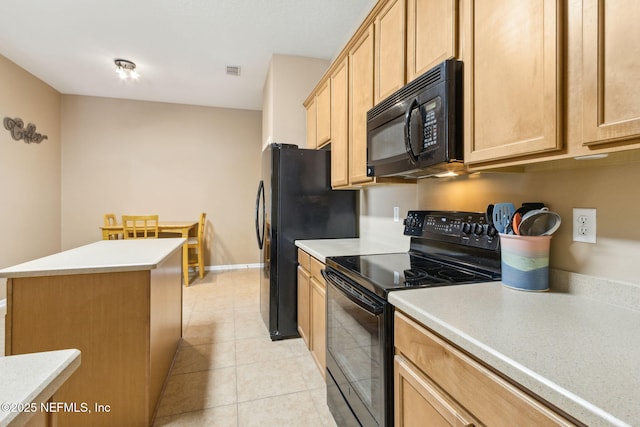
[229,373]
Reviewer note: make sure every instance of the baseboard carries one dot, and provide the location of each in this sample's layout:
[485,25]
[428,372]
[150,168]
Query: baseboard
[232,267]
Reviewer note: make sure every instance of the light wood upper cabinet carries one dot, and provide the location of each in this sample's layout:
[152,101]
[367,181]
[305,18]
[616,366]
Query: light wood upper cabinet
[513,73]
[360,101]
[432,34]
[311,125]
[389,28]
[339,125]
[323,115]
[611,70]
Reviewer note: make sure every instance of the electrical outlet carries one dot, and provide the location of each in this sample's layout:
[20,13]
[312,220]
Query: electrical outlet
[584,225]
[396,214]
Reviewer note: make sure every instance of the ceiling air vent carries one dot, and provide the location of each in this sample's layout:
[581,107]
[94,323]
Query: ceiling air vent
[233,70]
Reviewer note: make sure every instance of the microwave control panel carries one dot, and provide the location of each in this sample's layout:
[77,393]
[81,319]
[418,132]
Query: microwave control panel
[430,124]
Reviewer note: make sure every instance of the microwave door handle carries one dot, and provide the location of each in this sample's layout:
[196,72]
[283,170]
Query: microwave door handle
[407,131]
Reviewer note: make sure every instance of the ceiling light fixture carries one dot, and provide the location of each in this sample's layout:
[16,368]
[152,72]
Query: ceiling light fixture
[126,69]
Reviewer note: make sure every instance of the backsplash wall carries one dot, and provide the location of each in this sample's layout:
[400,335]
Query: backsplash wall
[610,188]
[376,211]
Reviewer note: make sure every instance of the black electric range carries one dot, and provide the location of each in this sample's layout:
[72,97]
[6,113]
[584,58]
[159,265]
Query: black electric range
[447,248]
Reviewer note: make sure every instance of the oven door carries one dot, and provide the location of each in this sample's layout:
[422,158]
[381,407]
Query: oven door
[358,354]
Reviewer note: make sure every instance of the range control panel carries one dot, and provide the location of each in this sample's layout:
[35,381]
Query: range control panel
[466,228]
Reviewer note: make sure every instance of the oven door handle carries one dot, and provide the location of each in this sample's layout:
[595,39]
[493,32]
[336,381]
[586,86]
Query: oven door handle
[357,297]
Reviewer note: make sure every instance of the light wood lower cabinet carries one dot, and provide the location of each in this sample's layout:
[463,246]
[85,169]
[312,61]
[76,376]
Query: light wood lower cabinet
[420,402]
[318,323]
[304,289]
[437,381]
[312,317]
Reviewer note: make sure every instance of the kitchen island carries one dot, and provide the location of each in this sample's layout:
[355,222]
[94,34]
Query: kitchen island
[120,304]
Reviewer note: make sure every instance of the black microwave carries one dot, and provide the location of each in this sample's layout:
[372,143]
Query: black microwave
[417,131]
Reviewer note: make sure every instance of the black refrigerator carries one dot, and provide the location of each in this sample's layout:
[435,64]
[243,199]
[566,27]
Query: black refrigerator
[295,202]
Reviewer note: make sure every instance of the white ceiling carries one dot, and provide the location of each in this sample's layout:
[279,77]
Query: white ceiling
[181,47]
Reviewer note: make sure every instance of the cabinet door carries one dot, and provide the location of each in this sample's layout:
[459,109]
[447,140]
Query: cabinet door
[432,34]
[511,53]
[303,304]
[389,50]
[360,101]
[311,125]
[419,402]
[339,125]
[318,324]
[323,115]
[611,70]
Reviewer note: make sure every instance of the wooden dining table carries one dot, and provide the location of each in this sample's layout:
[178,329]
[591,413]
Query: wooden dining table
[183,228]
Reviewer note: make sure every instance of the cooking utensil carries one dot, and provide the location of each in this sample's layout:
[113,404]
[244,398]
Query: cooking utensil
[539,222]
[502,213]
[489,214]
[521,211]
[515,222]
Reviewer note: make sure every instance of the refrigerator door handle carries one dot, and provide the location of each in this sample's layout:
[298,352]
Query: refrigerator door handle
[260,236]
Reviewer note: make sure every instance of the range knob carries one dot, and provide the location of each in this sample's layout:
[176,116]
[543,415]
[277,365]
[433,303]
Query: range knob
[491,231]
[411,222]
[478,229]
[466,228]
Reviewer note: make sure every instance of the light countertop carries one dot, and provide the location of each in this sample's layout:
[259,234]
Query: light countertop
[28,380]
[99,257]
[323,248]
[579,353]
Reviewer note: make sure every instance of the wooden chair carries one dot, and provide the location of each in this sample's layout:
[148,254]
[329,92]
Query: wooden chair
[110,219]
[140,226]
[195,247]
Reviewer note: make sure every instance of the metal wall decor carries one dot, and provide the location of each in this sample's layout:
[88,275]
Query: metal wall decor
[18,131]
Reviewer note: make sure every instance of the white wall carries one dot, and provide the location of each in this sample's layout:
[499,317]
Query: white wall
[289,82]
[376,211]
